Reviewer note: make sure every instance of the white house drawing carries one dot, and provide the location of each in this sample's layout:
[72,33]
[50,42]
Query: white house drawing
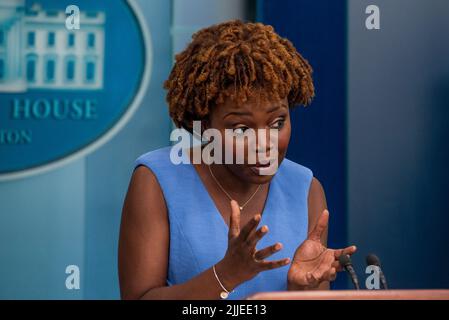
[37,51]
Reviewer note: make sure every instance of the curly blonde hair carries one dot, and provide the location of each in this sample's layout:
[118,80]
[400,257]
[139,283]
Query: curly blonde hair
[234,59]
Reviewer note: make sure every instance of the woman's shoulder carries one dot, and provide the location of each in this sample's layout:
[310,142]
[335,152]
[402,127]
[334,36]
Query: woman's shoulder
[169,167]
[290,167]
[159,154]
[160,161]
[294,177]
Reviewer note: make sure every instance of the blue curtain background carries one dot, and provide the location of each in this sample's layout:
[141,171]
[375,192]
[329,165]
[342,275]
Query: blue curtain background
[318,31]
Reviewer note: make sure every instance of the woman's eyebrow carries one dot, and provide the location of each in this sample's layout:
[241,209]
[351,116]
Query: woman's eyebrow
[237,113]
[243,113]
[277,107]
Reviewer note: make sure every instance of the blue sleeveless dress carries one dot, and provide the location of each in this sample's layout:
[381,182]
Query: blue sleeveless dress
[199,234]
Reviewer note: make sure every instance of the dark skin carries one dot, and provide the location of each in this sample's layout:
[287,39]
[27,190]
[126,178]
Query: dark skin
[144,232]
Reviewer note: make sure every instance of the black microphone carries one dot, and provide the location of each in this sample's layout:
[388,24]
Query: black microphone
[346,263]
[373,260]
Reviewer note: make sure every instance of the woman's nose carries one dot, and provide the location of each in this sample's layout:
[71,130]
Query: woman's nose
[265,141]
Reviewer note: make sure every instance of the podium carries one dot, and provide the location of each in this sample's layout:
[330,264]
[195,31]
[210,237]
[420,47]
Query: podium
[353,295]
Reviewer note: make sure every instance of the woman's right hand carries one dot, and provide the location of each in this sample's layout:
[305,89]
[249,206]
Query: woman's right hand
[242,260]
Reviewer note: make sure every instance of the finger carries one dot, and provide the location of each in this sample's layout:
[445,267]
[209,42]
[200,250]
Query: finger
[268,251]
[320,226]
[249,227]
[330,275]
[234,221]
[336,264]
[268,265]
[348,250]
[255,236]
[311,280]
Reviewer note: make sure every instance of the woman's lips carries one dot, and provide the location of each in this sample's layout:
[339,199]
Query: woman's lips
[264,169]
[260,165]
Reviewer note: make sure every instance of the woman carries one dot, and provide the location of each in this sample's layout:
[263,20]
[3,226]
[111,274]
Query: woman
[191,231]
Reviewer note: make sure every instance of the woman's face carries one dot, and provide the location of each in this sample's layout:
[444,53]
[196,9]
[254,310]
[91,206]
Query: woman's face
[253,114]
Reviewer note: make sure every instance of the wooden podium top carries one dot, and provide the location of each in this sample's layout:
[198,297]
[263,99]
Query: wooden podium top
[353,295]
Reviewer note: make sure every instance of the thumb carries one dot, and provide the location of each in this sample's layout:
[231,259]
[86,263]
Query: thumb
[320,226]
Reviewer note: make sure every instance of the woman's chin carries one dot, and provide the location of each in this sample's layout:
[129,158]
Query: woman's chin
[259,175]
[261,179]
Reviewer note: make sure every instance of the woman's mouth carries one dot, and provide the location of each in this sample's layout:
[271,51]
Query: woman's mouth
[264,169]
[260,165]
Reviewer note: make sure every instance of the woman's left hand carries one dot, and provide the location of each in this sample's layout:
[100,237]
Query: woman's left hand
[313,263]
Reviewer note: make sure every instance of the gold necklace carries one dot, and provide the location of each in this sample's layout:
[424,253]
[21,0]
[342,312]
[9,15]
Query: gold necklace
[227,194]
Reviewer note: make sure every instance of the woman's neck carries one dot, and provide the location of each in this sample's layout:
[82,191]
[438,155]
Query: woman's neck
[227,179]
[230,182]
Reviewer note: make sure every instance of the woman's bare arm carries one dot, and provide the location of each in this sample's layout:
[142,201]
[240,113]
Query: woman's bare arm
[144,248]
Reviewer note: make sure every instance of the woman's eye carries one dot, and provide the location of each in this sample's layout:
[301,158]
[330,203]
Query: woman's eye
[240,130]
[279,124]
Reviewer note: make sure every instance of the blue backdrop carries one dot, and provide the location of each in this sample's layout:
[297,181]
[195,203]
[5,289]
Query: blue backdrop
[71,215]
[318,31]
